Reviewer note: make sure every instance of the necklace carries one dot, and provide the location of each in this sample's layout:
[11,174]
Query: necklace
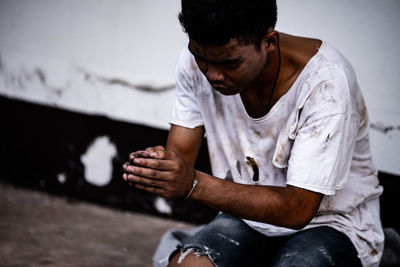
[276,78]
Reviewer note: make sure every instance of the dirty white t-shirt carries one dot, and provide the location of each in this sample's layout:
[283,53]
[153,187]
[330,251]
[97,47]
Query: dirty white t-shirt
[315,137]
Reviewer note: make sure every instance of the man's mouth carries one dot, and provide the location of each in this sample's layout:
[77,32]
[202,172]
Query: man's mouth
[220,88]
[225,90]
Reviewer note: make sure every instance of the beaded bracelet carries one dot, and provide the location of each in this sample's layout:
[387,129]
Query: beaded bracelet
[194,184]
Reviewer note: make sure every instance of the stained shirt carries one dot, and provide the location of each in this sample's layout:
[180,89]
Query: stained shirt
[315,137]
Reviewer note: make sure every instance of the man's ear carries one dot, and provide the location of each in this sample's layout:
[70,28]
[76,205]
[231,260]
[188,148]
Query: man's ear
[271,40]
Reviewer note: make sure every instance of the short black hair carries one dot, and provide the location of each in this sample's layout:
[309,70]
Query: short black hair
[216,22]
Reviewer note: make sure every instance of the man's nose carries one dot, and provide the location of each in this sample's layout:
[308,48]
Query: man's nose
[215,74]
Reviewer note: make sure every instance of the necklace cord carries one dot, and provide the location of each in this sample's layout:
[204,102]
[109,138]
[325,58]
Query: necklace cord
[276,79]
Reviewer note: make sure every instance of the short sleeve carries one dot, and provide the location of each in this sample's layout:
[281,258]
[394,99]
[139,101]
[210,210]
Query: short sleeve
[186,112]
[324,144]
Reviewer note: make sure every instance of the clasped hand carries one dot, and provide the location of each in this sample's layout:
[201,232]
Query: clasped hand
[159,171]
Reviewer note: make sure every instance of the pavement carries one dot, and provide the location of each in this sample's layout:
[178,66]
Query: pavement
[38,229]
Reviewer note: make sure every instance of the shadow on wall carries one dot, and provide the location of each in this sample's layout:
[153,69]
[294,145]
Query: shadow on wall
[81,156]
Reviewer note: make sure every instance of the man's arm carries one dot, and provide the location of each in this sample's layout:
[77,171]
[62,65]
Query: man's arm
[291,206]
[167,178]
[185,142]
[168,172]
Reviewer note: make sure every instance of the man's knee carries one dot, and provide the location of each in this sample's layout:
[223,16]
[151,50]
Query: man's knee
[191,260]
[321,246]
[310,259]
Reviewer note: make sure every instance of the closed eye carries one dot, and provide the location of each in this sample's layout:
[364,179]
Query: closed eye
[232,66]
[228,64]
[231,63]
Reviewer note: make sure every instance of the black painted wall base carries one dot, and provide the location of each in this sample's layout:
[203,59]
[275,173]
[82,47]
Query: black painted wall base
[39,143]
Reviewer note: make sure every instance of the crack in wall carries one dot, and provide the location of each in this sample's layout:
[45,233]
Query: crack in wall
[384,128]
[23,77]
[118,81]
[42,78]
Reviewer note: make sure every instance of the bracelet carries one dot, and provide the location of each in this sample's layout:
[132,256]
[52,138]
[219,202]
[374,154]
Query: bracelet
[194,184]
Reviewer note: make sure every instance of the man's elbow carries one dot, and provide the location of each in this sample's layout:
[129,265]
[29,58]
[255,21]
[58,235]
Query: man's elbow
[298,220]
[301,210]
[300,224]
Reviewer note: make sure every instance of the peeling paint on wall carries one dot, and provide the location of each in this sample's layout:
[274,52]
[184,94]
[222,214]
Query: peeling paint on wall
[52,143]
[117,94]
[385,145]
[125,83]
[62,178]
[384,128]
[24,77]
[162,206]
[98,161]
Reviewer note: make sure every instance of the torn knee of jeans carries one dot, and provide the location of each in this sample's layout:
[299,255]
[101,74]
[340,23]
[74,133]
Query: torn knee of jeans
[198,251]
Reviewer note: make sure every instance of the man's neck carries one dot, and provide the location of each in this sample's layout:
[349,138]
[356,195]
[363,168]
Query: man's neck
[295,54]
[259,96]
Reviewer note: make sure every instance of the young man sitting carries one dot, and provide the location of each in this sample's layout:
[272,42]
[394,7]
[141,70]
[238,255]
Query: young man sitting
[287,132]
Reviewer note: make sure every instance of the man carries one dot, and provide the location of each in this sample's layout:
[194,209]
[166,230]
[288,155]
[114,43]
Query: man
[287,132]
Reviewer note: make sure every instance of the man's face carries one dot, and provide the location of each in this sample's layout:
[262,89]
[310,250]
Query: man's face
[229,68]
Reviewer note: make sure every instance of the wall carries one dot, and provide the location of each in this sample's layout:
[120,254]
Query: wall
[96,57]
[117,58]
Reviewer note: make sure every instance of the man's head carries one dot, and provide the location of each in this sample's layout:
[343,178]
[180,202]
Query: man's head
[216,22]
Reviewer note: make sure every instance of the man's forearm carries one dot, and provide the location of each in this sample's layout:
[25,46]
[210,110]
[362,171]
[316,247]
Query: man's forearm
[289,207]
[185,142]
[168,174]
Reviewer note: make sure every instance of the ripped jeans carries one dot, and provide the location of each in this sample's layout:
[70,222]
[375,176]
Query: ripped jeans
[228,241]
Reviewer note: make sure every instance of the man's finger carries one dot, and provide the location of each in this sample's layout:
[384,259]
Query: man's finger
[149,182]
[154,163]
[125,177]
[153,190]
[148,172]
[163,154]
[154,150]
[133,155]
[125,165]
[141,154]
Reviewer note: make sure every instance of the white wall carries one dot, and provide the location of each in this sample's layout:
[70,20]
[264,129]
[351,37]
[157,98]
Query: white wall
[117,57]
[90,55]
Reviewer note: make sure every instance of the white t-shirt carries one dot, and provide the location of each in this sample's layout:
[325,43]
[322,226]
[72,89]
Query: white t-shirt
[315,137]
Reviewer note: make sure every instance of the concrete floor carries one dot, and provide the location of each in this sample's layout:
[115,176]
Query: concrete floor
[37,229]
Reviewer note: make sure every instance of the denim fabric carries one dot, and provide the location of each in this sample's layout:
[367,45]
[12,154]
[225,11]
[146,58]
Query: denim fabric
[320,246]
[228,241]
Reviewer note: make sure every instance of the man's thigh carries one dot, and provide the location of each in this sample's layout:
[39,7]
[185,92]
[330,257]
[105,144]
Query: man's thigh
[320,246]
[228,241]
